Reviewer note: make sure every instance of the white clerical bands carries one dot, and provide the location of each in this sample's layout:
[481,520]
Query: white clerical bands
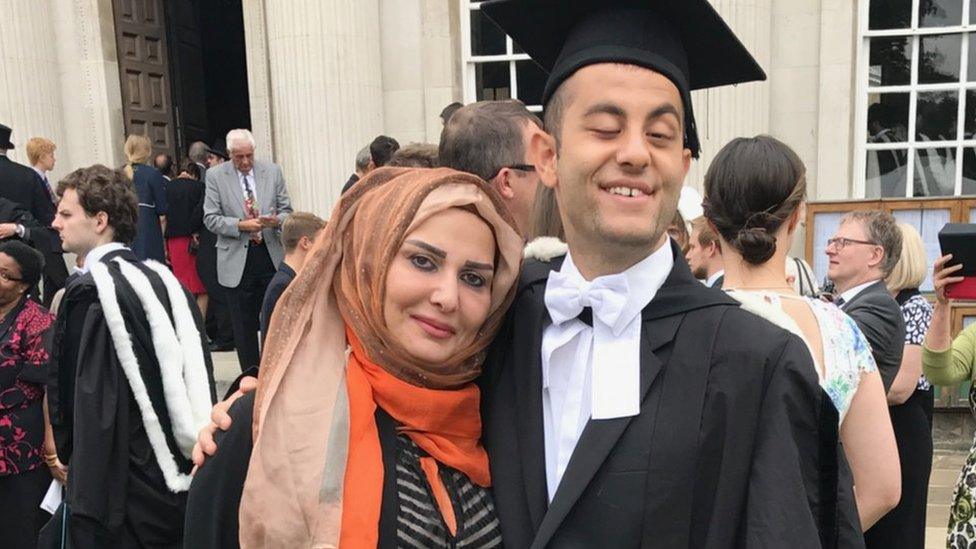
[615,375]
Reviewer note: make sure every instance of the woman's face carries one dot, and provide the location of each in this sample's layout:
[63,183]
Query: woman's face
[438,288]
[11,286]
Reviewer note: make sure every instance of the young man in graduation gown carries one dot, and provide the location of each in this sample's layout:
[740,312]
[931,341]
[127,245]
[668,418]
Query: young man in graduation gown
[132,381]
[624,403]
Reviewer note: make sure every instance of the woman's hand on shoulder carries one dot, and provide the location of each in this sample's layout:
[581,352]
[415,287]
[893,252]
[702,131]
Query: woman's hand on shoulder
[219,419]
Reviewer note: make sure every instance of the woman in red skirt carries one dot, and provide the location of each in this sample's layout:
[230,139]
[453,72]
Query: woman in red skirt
[183,224]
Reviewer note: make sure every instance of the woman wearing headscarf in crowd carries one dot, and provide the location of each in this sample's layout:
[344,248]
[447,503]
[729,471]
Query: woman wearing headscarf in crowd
[910,402]
[366,422]
[150,187]
[184,198]
[948,361]
[27,455]
[754,197]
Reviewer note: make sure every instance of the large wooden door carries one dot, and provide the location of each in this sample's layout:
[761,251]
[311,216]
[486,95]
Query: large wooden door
[140,31]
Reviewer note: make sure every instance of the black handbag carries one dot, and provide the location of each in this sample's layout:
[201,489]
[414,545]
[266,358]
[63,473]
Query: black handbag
[54,534]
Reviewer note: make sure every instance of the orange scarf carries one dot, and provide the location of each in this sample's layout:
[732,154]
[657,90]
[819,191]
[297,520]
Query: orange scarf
[445,424]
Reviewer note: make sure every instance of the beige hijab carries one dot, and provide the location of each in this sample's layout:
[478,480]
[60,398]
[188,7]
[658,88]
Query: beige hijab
[293,492]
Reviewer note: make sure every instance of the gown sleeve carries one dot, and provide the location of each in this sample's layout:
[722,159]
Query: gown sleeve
[215,495]
[792,485]
[97,471]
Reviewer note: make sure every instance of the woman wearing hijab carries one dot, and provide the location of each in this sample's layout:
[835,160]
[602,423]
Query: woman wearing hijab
[366,422]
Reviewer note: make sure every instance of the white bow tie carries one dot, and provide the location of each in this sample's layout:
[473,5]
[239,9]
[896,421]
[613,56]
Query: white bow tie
[607,296]
[615,373]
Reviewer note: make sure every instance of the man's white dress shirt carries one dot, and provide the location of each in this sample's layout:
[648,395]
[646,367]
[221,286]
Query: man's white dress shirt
[98,252]
[571,391]
[852,293]
[710,281]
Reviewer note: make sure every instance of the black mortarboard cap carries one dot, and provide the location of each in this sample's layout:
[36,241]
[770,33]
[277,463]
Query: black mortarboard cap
[685,40]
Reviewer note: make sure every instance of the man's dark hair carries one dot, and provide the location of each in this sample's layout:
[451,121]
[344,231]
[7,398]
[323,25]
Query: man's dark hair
[382,149]
[415,155]
[449,111]
[30,261]
[102,189]
[483,137]
[191,168]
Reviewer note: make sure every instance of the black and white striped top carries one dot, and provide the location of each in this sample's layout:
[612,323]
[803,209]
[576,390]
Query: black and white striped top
[419,522]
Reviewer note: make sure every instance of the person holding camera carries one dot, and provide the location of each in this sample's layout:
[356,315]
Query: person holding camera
[947,361]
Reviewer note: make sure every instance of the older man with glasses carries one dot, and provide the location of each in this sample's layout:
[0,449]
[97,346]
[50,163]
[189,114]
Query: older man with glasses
[863,251]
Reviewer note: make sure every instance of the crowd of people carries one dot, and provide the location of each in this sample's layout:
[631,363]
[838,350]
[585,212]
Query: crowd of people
[519,336]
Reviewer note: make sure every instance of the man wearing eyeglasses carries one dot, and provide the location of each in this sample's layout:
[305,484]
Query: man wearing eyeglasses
[491,140]
[862,252]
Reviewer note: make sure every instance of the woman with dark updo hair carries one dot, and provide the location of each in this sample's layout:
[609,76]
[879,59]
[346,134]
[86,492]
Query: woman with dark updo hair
[755,191]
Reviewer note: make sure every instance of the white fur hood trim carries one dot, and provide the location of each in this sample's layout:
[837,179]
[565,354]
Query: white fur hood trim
[545,248]
[180,376]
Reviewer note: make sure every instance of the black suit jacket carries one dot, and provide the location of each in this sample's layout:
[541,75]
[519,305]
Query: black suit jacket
[21,184]
[878,315]
[735,444]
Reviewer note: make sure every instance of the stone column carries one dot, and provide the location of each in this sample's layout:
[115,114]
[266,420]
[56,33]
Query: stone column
[326,92]
[258,76]
[30,89]
[733,111]
[90,92]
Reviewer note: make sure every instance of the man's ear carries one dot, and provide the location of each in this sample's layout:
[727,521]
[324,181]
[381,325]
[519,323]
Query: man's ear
[877,256]
[306,243]
[502,182]
[101,222]
[543,149]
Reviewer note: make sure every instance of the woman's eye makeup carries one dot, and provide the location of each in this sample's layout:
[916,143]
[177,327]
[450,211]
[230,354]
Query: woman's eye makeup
[423,262]
[474,280]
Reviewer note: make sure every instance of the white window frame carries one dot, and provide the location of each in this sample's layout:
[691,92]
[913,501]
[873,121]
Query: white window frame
[470,62]
[912,88]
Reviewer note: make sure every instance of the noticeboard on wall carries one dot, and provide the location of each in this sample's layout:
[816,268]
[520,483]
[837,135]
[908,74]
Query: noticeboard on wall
[927,216]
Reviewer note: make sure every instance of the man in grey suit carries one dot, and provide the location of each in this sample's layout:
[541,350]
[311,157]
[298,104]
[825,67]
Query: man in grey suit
[862,253]
[245,204]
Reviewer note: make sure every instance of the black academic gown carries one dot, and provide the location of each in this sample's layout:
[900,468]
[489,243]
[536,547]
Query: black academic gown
[735,444]
[116,494]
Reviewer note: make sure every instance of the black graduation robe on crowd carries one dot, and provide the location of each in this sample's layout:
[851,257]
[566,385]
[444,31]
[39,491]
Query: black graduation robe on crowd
[735,444]
[116,493]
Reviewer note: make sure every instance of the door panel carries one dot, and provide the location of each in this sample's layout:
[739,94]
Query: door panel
[140,31]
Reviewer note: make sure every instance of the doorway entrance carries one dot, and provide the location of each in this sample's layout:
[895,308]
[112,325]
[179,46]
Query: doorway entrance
[183,71]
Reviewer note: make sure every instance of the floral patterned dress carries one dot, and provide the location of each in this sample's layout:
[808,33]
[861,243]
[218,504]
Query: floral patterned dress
[846,353]
[23,367]
[962,519]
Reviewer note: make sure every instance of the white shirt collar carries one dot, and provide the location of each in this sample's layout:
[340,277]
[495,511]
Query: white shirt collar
[711,280]
[852,293]
[41,173]
[644,278]
[99,252]
[250,173]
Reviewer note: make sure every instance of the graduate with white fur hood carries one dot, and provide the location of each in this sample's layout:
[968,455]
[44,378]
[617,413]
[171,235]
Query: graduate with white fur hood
[131,381]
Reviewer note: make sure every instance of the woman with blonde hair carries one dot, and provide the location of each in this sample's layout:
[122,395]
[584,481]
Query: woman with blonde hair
[910,401]
[366,423]
[150,187]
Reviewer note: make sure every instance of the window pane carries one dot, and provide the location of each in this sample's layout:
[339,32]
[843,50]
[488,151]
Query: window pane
[531,81]
[972,12]
[935,172]
[491,81]
[891,61]
[885,174]
[938,58]
[887,117]
[969,171]
[890,14]
[486,37]
[972,51]
[939,13]
[936,114]
[970,122]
